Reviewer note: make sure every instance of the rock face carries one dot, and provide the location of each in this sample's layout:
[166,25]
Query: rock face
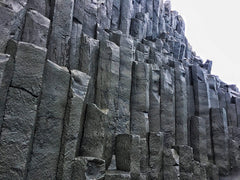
[110,89]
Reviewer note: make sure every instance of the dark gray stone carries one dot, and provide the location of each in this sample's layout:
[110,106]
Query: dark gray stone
[202,104]
[156,141]
[49,124]
[117,175]
[167,107]
[220,139]
[59,38]
[36,28]
[96,139]
[128,154]
[84,168]
[73,123]
[198,139]
[75,43]
[181,116]
[140,99]
[18,126]
[89,52]
[154,101]
[125,16]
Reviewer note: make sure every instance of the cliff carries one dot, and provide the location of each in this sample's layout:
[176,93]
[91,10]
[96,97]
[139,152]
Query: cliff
[110,89]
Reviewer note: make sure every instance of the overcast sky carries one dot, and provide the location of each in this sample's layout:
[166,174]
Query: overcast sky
[213,30]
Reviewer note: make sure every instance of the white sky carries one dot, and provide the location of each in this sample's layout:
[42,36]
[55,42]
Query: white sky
[213,30]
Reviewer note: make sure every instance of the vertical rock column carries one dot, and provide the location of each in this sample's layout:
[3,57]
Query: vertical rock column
[156,155]
[167,107]
[154,101]
[201,96]
[181,105]
[89,52]
[198,139]
[213,93]
[125,80]
[6,71]
[20,111]
[128,154]
[73,125]
[220,139]
[49,125]
[140,99]
[61,27]
[125,16]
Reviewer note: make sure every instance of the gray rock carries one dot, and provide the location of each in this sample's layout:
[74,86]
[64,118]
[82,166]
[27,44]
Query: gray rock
[220,139]
[89,20]
[59,38]
[167,107]
[29,65]
[49,126]
[238,110]
[185,159]
[212,171]
[73,123]
[96,139]
[125,80]
[140,99]
[84,168]
[17,132]
[125,16]
[144,160]
[156,141]
[74,56]
[36,28]
[117,175]
[42,7]
[198,139]
[213,94]
[18,127]
[202,104]
[89,52]
[181,114]
[128,154]
[154,101]
[199,172]
[6,71]
[115,21]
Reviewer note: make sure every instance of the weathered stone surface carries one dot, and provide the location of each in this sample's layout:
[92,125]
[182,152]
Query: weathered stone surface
[202,106]
[36,28]
[84,168]
[12,15]
[220,139]
[125,80]
[167,106]
[198,139]
[117,175]
[49,125]
[42,7]
[140,99]
[144,160]
[95,139]
[29,65]
[213,94]
[125,16]
[238,110]
[89,52]
[156,155]
[73,125]
[185,159]
[128,154]
[18,127]
[212,171]
[154,101]
[61,27]
[6,71]
[75,54]
[16,135]
[199,171]
[181,115]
